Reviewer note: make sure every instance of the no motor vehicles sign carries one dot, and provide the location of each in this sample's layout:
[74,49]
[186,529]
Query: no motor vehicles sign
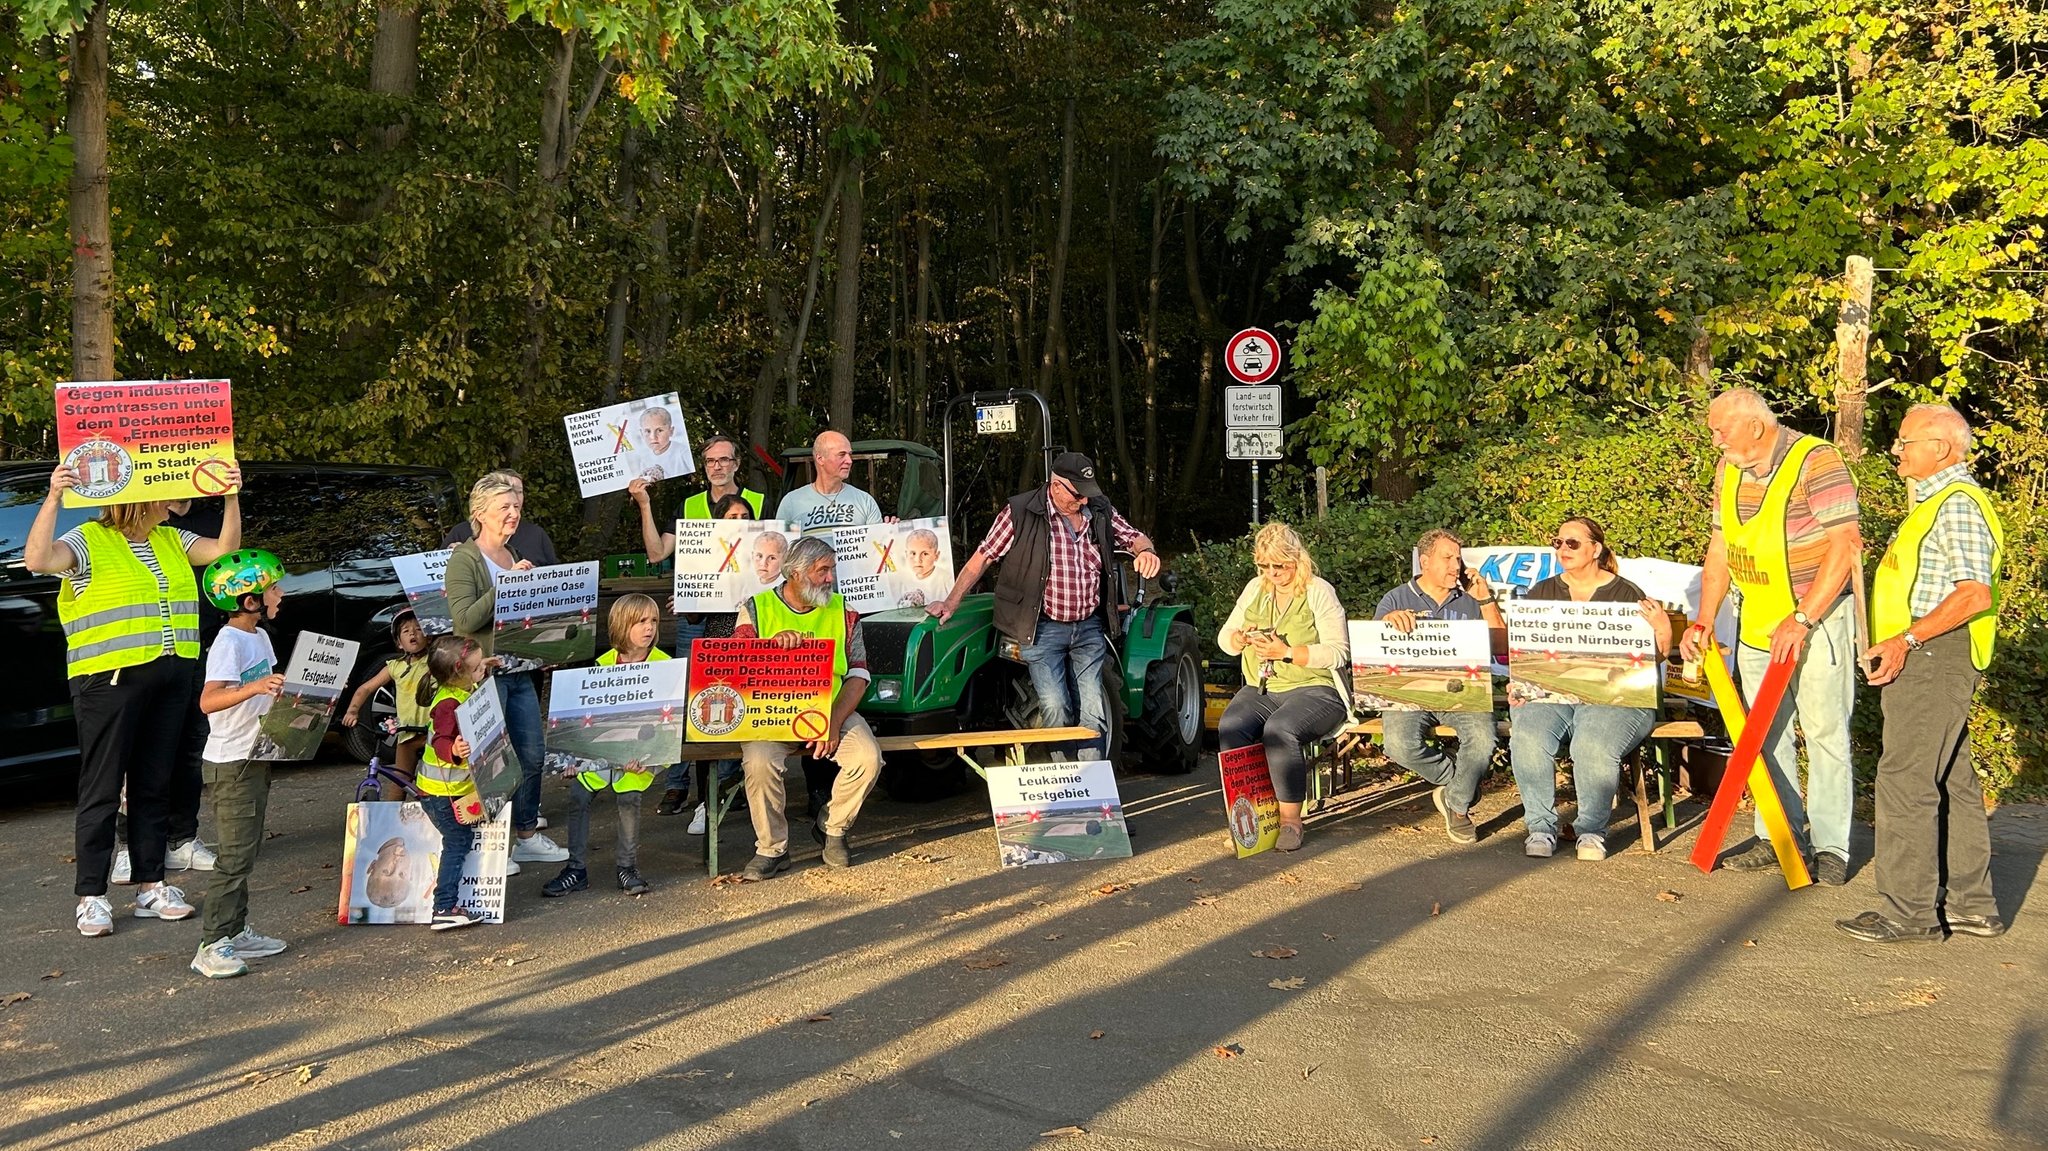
[1253,356]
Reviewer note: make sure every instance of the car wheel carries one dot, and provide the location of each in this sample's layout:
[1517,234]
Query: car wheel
[375,732]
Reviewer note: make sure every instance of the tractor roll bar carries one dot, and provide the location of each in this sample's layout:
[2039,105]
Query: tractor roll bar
[1007,396]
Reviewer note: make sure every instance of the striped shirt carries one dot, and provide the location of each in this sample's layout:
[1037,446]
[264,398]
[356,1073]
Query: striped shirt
[81,573]
[1958,547]
[1823,497]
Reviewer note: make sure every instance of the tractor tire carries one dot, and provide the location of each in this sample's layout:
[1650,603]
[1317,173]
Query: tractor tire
[1168,736]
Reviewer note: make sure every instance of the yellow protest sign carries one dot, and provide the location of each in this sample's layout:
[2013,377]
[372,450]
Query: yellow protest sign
[742,689]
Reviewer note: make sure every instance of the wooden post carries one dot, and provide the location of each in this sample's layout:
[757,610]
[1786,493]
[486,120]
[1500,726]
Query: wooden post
[1322,492]
[1852,342]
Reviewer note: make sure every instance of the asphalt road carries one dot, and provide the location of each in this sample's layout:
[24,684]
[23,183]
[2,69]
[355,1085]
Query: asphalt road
[1424,995]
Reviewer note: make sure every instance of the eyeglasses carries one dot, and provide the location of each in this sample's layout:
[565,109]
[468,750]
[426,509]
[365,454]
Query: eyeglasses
[1900,445]
[1280,567]
[721,459]
[1565,545]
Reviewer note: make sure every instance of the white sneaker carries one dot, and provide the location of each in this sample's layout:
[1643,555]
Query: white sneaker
[511,866]
[163,901]
[538,849]
[124,872]
[95,916]
[540,822]
[1592,848]
[217,960]
[194,855]
[252,944]
[697,821]
[1539,845]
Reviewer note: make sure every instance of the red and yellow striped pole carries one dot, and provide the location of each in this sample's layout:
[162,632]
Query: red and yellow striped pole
[1746,768]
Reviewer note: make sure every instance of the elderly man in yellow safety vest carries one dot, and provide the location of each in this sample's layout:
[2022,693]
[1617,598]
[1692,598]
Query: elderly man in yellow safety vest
[1934,607]
[1784,518]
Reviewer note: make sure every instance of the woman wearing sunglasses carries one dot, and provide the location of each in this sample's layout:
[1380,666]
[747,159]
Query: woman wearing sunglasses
[1597,736]
[1289,630]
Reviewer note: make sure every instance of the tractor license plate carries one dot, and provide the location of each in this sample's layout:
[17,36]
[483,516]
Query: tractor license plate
[995,419]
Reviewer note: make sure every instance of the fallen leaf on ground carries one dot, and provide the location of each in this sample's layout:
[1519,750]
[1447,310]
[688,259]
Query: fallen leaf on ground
[1330,937]
[1669,896]
[1310,1070]
[326,867]
[1351,887]
[731,879]
[1429,1140]
[1749,943]
[1435,909]
[57,974]
[153,957]
[770,1020]
[1192,878]
[1112,888]
[300,890]
[1055,935]
[820,1017]
[1096,1034]
[1205,900]
[923,857]
[14,997]
[1277,953]
[1062,1132]
[272,835]
[307,1071]
[984,962]
[1292,983]
[1230,1051]
[954,916]
[1289,877]
[2010,966]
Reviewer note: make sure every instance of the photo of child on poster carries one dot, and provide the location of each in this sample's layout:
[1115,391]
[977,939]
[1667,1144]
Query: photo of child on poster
[883,566]
[615,445]
[391,853]
[720,564]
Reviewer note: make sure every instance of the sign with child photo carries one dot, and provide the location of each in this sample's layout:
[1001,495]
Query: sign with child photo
[423,576]
[1560,651]
[133,441]
[603,720]
[493,765]
[742,689]
[638,439]
[720,564]
[297,720]
[883,566]
[391,857]
[546,613]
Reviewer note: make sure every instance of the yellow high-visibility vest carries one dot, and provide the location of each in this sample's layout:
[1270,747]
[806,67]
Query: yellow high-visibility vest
[1757,550]
[437,776]
[619,779]
[772,617]
[1891,593]
[117,621]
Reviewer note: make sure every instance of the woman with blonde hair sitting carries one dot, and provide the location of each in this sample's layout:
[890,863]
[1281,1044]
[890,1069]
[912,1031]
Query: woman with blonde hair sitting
[1289,630]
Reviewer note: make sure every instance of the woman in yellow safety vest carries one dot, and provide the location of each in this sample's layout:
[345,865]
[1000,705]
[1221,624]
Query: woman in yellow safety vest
[129,604]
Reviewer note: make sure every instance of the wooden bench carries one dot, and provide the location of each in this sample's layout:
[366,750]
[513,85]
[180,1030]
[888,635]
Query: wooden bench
[1335,759]
[1015,739]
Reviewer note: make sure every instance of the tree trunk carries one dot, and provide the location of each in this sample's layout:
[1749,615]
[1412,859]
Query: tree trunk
[602,512]
[846,300]
[761,412]
[1161,215]
[1208,332]
[1056,290]
[920,347]
[395,64]
[549,165]
[657,303]
[1852,342]
[92,245]
[1112,350]
[811,275]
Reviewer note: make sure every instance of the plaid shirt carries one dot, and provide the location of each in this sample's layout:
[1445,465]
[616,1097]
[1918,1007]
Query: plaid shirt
[1958,547]
[1074,589]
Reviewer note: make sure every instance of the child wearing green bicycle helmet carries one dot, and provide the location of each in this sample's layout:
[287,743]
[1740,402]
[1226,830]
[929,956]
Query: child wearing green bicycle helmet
[241,681]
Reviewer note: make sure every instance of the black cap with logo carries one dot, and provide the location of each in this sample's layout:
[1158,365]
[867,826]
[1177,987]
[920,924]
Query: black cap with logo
[1079,471]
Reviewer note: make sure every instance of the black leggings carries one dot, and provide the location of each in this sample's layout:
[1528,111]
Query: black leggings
[1283,721]
[129,727]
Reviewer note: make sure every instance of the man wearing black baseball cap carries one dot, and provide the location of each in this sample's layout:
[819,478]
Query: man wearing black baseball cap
[1054,594]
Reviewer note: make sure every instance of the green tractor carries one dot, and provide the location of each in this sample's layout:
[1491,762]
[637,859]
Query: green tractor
[932,677]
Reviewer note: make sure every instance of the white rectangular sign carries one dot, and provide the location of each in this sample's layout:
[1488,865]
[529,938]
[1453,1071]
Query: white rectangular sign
[720,564]
[615,720]
[1441,666]
[1561,651]
[883,566]
[1057,813]
[424,577]
[546,613]
[995,419]
[1252,406]
[615,445]
[1253,444]
[389,864]
[297,720]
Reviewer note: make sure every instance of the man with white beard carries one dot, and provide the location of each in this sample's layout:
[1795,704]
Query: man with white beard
[805,607]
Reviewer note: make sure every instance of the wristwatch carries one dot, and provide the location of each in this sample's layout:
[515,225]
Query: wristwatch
[1804,620]
[1912,642]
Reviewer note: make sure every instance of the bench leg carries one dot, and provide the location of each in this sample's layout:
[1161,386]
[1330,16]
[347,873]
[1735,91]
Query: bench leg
[1667,785]
[1646,826]
[708,788]
[1016,756]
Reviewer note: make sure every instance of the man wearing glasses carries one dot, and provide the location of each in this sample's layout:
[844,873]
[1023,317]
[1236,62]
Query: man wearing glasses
[1055,595]
[1445,589]
[1784,516]
[721,459]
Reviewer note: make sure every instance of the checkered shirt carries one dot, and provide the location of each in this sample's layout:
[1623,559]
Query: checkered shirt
[1074,589]
[1958,547]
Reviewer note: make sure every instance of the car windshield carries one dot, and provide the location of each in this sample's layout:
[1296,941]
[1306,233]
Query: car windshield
[19,499]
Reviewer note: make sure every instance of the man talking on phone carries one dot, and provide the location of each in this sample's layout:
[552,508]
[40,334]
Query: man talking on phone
[1443,589]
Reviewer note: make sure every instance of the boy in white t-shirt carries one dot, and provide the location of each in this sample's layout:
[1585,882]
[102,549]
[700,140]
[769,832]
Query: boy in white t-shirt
[241,680]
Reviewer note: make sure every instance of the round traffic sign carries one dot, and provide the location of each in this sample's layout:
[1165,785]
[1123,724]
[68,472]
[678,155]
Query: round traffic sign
[1252,356]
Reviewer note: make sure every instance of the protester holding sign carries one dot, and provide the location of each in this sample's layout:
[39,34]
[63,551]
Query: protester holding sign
[1288,630]
[529,539]
[1444,589]
[804,607]
[737,504]
[449,791]
[129,604]
[1784,519]
[721,467]
[495,503]
[1600,736]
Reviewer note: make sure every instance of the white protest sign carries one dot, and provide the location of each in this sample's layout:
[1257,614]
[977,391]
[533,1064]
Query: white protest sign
[424,577]
[602,720]
[493,765]
[1441,666]
[1058,813]
[1578,653]
[883,566]
[617,444]
[297,720]
[389,864]
[546,613]
[720,564]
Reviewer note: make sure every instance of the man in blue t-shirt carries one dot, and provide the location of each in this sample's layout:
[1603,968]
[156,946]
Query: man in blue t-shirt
[1444,589]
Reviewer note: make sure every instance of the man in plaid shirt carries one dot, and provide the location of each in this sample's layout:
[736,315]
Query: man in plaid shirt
[1055,596]
[1934,603]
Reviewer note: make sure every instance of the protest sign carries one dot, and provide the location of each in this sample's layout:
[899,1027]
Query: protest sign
[883,566]
[615,445]
[1560,651]
[139,440]
[545,613]
[1677,587]
[391,857]
[424,577]
[743,689]
[1057,813]
[606,718]
[1441,666]
[1249,805]
[297,720]
[493,765]
[720,564]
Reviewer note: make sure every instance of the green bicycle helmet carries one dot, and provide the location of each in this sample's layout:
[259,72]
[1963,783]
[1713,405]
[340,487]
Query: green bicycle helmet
[249,571]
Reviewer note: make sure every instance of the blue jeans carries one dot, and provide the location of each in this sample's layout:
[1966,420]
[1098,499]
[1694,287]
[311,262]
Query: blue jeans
[1822,694]
[1410,744]
[456,839]
[1065,662]
[1600,737]
[1283,721]
[520,698]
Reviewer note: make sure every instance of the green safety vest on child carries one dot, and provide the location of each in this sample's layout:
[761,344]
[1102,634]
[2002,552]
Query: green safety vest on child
[437,776]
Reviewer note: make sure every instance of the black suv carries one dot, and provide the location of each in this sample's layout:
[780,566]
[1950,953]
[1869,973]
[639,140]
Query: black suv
[332,525]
